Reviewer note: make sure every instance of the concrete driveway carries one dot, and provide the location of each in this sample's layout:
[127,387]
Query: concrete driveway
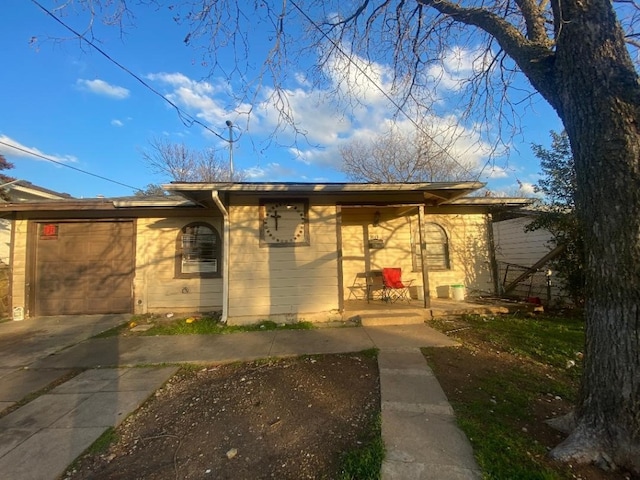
[25,342]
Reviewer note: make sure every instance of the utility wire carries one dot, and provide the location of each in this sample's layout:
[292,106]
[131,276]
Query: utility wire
[186,119]
[375,84]
[24,150]
[191,120]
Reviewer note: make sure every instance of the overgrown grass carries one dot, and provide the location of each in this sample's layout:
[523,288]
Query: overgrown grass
[495,403]
[365,462]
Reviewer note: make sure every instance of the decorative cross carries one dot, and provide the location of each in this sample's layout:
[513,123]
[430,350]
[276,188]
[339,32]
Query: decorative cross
[275,216]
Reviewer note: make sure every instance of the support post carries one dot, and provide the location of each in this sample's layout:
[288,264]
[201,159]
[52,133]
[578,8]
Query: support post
[423,256]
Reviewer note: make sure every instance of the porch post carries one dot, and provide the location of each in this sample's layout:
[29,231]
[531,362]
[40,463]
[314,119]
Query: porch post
[423,256]
[492,255]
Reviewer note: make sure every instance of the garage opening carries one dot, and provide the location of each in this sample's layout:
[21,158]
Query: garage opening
[83,267]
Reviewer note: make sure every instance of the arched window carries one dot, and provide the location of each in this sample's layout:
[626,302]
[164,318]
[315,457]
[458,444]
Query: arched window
[198,251]
[436,247]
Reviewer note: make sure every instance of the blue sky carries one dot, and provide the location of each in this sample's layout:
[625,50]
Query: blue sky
[65,101]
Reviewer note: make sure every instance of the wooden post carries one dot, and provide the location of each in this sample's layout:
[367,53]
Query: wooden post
[423,256]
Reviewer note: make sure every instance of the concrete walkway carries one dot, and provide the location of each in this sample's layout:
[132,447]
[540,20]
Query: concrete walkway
[40,439]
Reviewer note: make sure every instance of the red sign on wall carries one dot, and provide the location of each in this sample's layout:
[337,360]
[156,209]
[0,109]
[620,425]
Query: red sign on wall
[49,231]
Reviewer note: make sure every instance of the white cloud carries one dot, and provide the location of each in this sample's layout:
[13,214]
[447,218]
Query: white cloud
[526,188]
[11,148]
[269,172]
[457,66]
[495,172]
[360,111]
[100,87]
[117,123]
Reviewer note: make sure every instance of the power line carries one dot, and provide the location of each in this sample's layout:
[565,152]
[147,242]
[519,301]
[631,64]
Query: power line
[29,152]
[186,119]
[191,120]
[375,84]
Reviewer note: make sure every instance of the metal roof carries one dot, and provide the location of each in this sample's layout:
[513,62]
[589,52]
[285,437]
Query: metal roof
[434,193]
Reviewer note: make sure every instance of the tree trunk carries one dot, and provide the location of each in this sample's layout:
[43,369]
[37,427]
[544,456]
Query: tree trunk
[598,103]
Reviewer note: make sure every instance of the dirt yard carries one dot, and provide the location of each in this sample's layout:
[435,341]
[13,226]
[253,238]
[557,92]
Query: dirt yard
[463,371]
[293,418]
[284,419]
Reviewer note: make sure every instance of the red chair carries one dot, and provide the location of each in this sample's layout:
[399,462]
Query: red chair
[395,288]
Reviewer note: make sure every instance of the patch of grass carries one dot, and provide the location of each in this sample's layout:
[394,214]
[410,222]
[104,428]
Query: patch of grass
[365,462]
[549,340]
[502,453]
[212,326]
[370,353]
[113,332]
[101,445]
[493,419]
[496,404]
[195,325]
[103,442]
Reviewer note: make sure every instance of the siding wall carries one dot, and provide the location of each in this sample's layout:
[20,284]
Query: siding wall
[155,288]
[513,245]
[5,241]
[19,265]
[469,253]
[468,249]
[286,283]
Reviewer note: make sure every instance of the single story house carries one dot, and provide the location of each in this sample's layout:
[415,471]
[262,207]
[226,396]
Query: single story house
[254,251]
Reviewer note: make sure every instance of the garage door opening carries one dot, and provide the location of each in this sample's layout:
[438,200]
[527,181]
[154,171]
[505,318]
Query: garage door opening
[82,267]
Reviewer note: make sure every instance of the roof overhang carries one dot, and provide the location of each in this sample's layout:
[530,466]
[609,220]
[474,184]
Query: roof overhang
[431,193]
[507,202]
[97,204]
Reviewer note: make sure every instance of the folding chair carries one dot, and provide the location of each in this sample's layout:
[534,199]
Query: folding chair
[375,286]
[395,289]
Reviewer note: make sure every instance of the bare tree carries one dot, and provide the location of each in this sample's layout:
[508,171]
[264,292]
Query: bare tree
[395,157]
[183,164]
[577,54]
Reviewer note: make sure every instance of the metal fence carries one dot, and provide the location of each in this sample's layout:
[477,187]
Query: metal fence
[537,286]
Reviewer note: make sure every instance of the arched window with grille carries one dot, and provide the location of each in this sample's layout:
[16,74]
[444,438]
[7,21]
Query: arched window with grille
[436,246]
[198,251]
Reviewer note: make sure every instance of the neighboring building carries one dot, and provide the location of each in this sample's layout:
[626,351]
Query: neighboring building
[20,191]
[255,251]
[518,251]
[16,191]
